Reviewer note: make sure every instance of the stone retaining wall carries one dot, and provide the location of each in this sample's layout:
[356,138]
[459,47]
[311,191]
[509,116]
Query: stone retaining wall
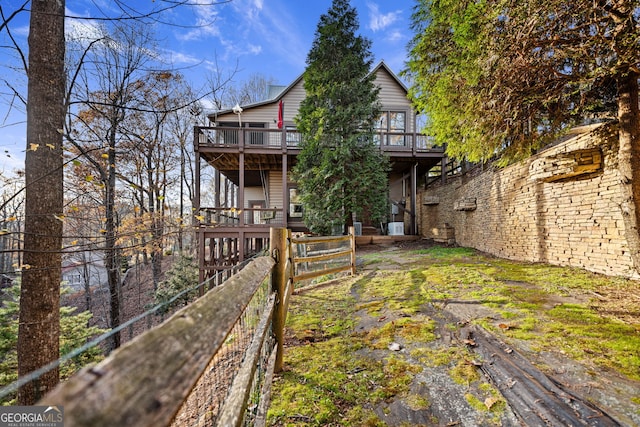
[561,206]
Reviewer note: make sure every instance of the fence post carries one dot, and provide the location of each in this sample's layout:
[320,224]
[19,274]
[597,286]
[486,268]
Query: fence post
[279,250]
[352,242]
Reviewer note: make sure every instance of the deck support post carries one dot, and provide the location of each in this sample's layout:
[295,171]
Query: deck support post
[280,252]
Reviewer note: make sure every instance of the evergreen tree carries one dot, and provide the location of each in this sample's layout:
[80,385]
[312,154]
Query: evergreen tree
[340,172]
[503,78]
[506,77]
[74,333]
[180,285]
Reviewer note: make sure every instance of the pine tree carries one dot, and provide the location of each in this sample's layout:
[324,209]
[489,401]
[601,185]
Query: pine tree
[340,172]
[180,285]
[74,333]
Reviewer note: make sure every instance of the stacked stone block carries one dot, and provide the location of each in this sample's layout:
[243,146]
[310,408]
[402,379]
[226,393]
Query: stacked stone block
[561,206]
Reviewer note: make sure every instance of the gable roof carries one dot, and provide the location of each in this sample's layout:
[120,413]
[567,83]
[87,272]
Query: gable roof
[279,93]
[383,65]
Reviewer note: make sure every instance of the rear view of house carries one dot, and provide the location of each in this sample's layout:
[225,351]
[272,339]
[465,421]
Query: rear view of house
[243,176]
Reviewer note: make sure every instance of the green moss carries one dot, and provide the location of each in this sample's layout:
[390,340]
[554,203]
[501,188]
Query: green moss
[406,329]
[332,378]
[464,373]
[364,417]
[399,290]
[322,378]
[399,375]
[445,253]
[587,336]
[442,356]
[417,402]
[324,381]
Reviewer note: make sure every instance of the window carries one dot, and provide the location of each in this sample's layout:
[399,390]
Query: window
[390,123]
[295,205]
[73,279]
[293,136]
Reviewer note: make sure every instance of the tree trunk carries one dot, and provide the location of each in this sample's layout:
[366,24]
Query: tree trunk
[111,253]
[629,160]
[39,327]
[86,278]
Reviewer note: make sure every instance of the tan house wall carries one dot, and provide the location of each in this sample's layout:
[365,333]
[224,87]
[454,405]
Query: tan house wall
[275,189]
[550,208]
[268,112]
[393,97]
[252,194]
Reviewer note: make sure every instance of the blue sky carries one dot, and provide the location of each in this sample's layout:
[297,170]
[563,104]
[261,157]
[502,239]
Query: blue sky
[269,37]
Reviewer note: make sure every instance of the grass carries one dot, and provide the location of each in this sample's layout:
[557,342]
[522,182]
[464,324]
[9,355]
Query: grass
[337,376]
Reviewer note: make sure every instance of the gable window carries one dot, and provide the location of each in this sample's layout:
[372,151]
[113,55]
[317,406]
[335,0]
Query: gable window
[390,128]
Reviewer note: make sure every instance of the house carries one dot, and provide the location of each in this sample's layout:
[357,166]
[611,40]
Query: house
[84,270]
[243,176]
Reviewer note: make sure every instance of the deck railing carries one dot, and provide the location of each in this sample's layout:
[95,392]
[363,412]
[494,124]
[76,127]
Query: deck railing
[234,217]
[212,362]
[249,138]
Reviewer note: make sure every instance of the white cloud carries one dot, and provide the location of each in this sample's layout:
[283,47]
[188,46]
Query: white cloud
[254,49]
[81,29]
[205,23]
[274,27]
[175,57]
[84,31]
[395,36]
[380,21]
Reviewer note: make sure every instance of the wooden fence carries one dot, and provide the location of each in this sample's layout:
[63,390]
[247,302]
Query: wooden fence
[206,364]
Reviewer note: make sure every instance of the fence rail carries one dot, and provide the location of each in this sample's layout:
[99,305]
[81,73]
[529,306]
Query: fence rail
[335,258]
[211,363]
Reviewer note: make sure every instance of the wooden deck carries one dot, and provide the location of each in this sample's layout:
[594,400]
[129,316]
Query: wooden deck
[384,240]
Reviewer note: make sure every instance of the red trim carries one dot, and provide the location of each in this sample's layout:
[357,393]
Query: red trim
[280,114]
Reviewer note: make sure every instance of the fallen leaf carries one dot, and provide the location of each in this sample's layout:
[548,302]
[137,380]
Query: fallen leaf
[490,401]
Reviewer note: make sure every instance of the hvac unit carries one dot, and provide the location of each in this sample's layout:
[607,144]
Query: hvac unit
[357,228]
[295,210]
[396,228]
